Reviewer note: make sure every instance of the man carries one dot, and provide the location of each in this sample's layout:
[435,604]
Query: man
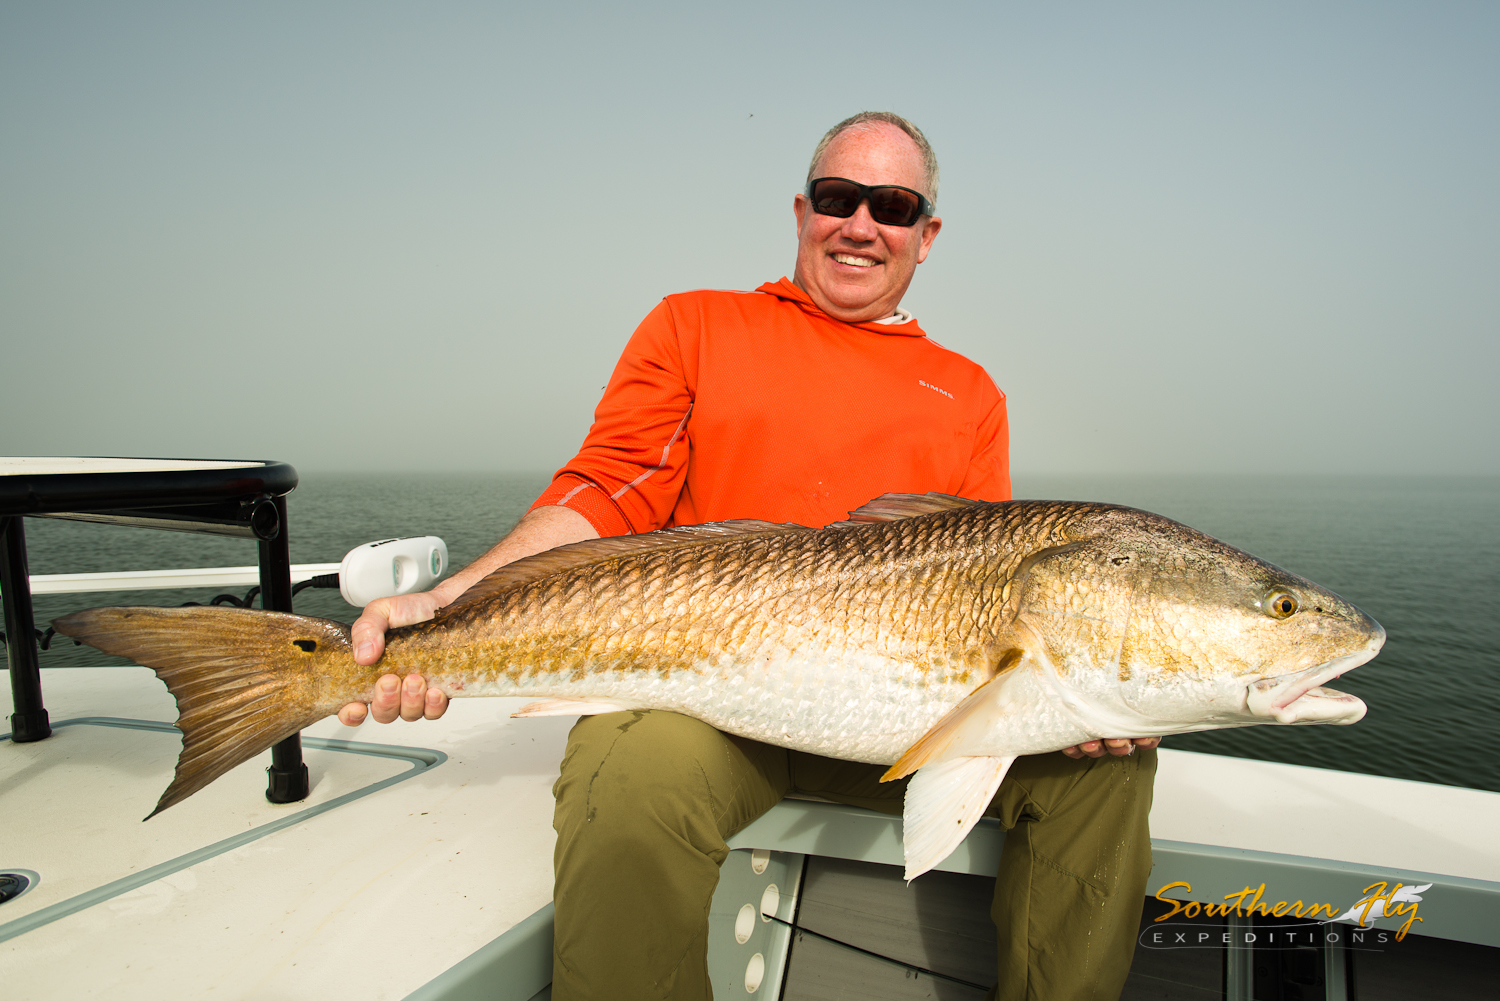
[793,403]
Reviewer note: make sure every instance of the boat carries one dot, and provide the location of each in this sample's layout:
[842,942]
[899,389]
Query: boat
[418,867]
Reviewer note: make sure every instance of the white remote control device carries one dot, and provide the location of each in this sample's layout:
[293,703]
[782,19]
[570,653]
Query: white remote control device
[390,567]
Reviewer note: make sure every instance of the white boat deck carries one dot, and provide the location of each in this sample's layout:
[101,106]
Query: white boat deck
[1267,806]
[370,900]
[421,843]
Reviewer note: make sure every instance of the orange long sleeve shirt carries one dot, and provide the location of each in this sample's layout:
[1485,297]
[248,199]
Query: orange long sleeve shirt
[760,405]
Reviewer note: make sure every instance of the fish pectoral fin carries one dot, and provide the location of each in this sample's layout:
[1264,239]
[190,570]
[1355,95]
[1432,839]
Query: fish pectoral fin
[943,803]
[566,707]
[964,726]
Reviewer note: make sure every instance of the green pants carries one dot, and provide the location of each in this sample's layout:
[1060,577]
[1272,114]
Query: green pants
[647,798]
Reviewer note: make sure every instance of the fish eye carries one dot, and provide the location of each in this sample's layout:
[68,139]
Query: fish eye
[1281,604]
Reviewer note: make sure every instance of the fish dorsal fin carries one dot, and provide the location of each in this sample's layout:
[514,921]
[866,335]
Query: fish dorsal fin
[895,507]
[552,561]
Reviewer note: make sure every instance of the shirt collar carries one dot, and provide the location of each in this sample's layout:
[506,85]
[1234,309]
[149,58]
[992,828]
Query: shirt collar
[902,322]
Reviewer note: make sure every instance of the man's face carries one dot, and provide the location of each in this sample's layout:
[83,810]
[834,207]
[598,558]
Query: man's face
[856,268]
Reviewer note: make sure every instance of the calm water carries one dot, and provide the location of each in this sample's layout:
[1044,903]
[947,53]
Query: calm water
[1420,555]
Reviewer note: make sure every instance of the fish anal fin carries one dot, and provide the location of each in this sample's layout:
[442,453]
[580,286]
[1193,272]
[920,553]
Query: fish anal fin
[943,803]
[545,564]
[566,707]
[964,726]
[895,507]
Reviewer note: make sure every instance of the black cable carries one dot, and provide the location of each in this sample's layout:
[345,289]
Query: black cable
[43,639]
[325,580]
[228,599]
[874,955]
[247,601]
[328,580]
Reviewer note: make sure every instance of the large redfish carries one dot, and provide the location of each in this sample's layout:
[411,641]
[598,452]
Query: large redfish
[938,635]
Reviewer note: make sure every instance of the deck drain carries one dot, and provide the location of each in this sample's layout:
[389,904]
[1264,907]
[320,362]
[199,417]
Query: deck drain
[13,884]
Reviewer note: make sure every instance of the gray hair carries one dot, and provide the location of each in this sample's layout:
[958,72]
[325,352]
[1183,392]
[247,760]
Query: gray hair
[863,121]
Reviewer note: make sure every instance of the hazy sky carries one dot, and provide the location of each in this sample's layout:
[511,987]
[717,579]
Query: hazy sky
[1181,236]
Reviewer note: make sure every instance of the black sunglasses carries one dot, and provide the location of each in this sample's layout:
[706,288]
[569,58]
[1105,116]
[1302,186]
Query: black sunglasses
[890,204]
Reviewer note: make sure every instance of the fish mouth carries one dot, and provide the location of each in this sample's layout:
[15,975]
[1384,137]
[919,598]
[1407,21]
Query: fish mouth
[1301,697]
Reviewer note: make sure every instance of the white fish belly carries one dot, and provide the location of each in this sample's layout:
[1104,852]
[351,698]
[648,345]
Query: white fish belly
[858,708]
[861,706]
[854,706]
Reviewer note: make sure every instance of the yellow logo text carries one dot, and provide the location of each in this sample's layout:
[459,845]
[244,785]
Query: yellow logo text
[1379,900]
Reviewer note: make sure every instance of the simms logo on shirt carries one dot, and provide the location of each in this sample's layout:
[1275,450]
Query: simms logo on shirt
[935,389]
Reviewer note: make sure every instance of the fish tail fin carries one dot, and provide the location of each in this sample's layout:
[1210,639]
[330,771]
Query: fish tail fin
[243,679]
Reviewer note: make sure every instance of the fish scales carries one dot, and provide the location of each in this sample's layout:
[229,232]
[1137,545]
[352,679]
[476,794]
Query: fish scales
[887,652]
[942,635]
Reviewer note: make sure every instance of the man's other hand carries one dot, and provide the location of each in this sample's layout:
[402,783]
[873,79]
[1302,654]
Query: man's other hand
[1119,747]
[411,699]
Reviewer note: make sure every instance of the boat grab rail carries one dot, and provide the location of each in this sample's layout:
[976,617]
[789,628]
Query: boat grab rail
[148,580]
